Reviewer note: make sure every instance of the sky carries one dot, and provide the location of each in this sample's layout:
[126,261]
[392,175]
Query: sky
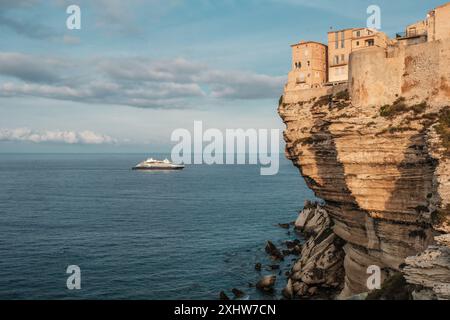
[137,70]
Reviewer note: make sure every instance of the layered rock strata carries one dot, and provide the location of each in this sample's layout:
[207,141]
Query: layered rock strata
[373,151]
[431,269]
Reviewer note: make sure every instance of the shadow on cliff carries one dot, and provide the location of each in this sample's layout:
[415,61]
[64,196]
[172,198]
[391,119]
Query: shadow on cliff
[350,221]
[409,202]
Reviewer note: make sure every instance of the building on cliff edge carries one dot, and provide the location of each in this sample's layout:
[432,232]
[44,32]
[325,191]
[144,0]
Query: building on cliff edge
[436,26]
[309,65]
[315,65]
[343,42]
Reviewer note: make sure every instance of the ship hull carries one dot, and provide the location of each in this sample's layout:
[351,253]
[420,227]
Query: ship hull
[158,168]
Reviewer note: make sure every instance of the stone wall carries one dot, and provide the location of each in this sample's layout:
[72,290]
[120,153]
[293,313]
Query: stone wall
[420,72]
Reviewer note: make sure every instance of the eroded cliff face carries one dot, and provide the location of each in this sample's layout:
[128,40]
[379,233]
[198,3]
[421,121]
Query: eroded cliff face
[375,152]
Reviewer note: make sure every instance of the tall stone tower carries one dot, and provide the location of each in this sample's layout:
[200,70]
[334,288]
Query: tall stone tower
[309,66]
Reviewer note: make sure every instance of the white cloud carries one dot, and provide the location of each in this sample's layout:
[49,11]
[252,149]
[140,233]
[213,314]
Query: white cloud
[66,137]
[131,81]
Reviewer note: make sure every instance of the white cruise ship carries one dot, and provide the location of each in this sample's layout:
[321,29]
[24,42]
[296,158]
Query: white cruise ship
[152,164]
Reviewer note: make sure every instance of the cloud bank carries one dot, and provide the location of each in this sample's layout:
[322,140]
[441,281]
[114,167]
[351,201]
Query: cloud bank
[130,81]
[65,137]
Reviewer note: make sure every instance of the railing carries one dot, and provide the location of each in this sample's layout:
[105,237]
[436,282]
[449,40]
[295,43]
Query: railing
[410,34]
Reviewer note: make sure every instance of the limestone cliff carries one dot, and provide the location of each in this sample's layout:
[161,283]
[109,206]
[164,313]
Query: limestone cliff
[376,151]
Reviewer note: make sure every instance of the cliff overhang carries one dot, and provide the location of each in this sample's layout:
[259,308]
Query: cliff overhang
[375,151]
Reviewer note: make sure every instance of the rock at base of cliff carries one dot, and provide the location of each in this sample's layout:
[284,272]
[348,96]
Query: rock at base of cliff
[266,283]
[320,267]
[273,251]
[431,270]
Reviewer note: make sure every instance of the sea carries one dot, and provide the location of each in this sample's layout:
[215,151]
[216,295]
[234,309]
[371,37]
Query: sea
[186,234]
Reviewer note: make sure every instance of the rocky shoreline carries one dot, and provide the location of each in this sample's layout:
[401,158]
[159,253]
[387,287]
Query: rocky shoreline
[272,267]
[312,265]
[310,262]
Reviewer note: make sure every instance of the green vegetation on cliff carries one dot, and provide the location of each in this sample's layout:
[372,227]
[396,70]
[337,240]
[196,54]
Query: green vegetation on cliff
[399,107]
[443,129]
[342,95]
[439,216]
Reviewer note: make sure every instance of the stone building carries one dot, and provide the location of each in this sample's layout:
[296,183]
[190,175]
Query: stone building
[364,38]
[339,49]
[343,42]
[309,66]
[315,64]
[436,26]
[438,23]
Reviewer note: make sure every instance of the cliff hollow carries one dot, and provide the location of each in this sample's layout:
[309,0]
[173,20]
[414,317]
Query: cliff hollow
[377,152]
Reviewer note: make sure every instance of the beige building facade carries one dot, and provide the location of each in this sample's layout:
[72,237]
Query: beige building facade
[365,38]
[343,42]
[309,65]
[339,49]
[315,64]
[435,27]
[438,23]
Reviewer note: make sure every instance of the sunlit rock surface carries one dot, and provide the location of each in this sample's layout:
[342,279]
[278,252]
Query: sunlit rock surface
[373,153]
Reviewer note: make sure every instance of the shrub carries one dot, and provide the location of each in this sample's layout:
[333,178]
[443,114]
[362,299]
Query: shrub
[341,105]
[419,108]
[323,101]
[443,129]
[399,106]
[439,216]
[342,95]
[392,130]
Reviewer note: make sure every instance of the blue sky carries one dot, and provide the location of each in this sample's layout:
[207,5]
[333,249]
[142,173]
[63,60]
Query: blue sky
[139,69]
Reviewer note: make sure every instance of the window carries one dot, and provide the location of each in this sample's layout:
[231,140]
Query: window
[336,38]
[358,34]
[342,58]
[302,77]
[336,59]
[357,43]
[370,43]
[412,32]
[309,63]
[343,39]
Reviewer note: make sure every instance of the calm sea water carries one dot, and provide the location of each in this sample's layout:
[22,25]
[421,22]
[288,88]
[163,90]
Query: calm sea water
[138,235]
